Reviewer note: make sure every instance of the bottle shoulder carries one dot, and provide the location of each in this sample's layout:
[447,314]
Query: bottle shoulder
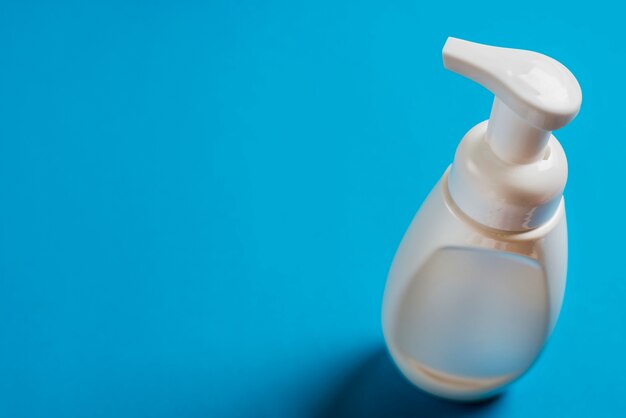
[558,218]
[439,212]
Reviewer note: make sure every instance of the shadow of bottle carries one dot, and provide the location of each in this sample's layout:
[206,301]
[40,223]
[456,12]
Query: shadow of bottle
[375,388]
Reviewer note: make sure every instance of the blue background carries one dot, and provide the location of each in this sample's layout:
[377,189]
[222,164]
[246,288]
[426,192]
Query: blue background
[199,203]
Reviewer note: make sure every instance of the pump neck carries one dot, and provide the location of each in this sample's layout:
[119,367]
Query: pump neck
[512,138]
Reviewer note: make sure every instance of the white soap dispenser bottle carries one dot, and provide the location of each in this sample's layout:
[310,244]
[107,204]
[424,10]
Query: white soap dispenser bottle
[477,283]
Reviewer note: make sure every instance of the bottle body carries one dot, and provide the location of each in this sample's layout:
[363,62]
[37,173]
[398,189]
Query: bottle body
[467,308]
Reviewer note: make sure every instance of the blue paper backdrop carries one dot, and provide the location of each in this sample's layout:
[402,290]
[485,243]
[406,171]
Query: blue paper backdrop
[199,202]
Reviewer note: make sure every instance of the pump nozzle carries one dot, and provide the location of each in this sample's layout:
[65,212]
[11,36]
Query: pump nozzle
[535,95]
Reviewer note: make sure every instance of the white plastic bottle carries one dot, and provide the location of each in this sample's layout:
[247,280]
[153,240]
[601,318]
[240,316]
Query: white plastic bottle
[477,283]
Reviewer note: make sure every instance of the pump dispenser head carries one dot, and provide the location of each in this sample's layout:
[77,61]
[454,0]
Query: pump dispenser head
[534,95]
[510,171]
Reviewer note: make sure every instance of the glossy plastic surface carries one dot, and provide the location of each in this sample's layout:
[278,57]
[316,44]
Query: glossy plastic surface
[538,88]
[468,309]
[535,94]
